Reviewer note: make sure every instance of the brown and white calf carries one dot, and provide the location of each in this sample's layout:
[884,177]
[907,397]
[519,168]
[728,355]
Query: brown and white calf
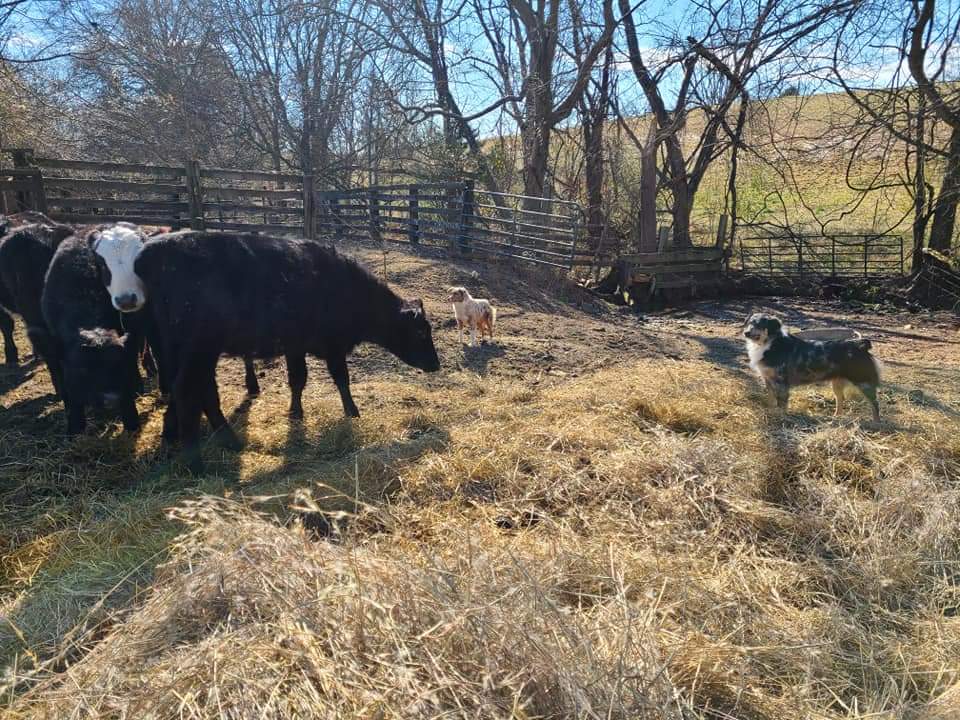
[476,313]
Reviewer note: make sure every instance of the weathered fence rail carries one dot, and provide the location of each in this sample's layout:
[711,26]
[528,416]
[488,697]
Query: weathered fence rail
[818,256]
[83,191]
[459,217]
[456,216]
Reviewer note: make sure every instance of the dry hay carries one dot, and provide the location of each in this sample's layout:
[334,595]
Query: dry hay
[642,541]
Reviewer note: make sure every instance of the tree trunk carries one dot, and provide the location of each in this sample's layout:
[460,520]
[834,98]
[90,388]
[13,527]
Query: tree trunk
[945,208]
[920,216]
[648,192]
[682,209]
[536,154]
[593,173]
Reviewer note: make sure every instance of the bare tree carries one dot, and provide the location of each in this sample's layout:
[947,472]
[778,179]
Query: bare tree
[298,69]
[526,40]
[712,72]
[419,31]
[895,68]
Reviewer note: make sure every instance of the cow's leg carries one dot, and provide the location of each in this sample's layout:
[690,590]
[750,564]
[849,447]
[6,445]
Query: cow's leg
[44,349]
[74,402]
[9,346]
[223,433]
[297,379]
[337,366]
[250,377]
[76,417]
[128,414]
[169,371]
[162,355]
[190,394]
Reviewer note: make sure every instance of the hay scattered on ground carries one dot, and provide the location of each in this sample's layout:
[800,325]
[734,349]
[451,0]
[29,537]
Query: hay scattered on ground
[639,541]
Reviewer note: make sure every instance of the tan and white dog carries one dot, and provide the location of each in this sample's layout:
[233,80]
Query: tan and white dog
[476,313]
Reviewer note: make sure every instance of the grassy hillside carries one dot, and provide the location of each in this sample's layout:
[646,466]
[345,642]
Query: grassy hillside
[805,168]
[593,517]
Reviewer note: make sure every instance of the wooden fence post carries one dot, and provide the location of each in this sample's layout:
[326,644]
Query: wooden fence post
[413,226]
[38,194]
[22,158]
[373,208]
[195,194]
[721,231]
[466,217]
[663,239]
[309,214]
[337,216]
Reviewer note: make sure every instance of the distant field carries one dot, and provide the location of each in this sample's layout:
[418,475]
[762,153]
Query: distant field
[798,171]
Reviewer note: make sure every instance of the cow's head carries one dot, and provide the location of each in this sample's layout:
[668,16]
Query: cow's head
[412,341]
[103,364]
[116,249]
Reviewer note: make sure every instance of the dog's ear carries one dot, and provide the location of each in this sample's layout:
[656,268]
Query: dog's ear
[775,325]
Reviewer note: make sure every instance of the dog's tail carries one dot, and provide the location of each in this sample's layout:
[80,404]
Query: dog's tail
[865,345]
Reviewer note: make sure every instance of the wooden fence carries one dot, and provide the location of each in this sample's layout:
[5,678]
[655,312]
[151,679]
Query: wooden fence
[818,256]
[456,216]
[80,191]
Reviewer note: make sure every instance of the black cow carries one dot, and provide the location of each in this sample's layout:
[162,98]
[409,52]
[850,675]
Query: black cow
[213,293]
[25,255]
[94,349]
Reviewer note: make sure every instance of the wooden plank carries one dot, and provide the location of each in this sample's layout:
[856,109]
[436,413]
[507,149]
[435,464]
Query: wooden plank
[714,266]
[112,186]
[89,202]
[233,207]
[16,185]
[250,175]
[110,218]
[244,193]
[690,255]
[133,168]
[251,227]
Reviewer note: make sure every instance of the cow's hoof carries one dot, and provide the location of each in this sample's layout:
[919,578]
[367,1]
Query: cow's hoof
[192,461]
[226,438]
[296,413]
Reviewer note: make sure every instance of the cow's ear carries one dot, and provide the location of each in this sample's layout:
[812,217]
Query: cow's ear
[414,307]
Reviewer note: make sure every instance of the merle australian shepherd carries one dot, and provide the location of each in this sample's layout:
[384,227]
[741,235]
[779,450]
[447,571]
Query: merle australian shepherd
[783,361]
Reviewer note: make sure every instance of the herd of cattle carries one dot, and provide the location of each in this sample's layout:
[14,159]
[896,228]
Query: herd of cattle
[99,301]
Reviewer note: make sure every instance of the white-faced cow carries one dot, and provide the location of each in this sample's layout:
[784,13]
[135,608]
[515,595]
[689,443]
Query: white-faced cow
[117,248]
[214,293]
[96,350]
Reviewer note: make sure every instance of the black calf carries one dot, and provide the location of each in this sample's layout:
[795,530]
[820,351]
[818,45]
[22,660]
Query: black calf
[93,348]
[214,293]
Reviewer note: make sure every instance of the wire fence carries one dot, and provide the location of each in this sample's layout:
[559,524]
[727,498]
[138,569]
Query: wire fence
[819,256]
